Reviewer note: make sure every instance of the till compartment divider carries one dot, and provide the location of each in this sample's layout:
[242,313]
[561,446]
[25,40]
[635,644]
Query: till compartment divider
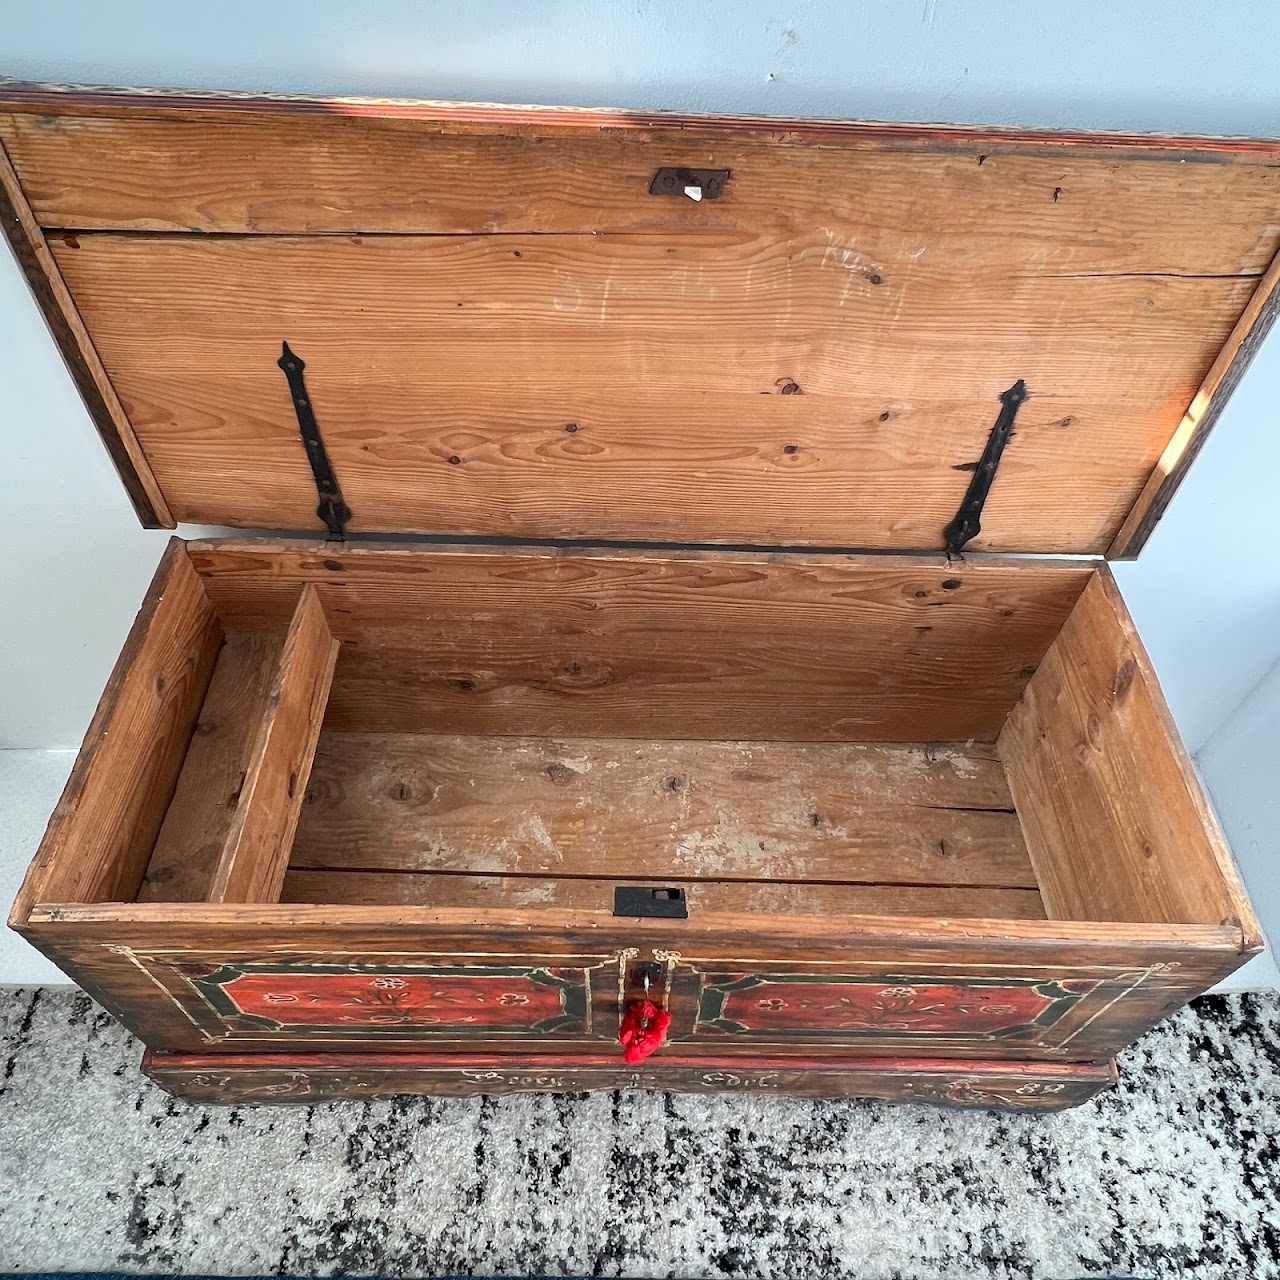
[255,855]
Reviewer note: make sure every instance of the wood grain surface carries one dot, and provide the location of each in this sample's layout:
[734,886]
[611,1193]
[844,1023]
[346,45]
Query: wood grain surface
[1116,822]
[699,387]
[255,853]
[659,644]
[54,100]
[102,831]
[510,335]
[765,898]
[198,820]
[661,811]
[138,171]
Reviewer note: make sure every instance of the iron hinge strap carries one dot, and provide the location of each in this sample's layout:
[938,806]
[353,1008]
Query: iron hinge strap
[968,520]
[332,509]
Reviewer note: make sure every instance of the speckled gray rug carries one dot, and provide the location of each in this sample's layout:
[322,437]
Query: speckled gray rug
[1175,1173]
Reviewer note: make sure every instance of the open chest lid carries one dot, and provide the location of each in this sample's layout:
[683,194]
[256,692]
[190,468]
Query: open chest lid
[580,324]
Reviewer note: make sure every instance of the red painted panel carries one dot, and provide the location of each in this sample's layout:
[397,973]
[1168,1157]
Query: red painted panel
[781,1004]
[312,996]
[360,999]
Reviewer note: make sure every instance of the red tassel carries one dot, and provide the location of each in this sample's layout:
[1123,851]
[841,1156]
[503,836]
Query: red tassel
[643,1030]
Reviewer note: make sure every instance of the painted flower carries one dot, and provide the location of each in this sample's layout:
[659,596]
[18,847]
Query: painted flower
[389,984]
[510,998]
[899,993]
[280,997]
[772,1003]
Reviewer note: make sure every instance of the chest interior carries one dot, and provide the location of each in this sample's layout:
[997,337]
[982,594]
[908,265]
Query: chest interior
[737,735]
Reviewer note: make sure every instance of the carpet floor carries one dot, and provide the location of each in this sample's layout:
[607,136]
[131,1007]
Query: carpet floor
[1177,1172]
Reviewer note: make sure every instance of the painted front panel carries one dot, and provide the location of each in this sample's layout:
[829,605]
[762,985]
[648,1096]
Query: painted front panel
[839,1007]
[966,1010]
[471,1001]
[318,998]
[404,997]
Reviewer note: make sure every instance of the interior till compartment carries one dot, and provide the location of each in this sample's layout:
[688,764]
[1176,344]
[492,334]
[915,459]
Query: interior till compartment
[529,731]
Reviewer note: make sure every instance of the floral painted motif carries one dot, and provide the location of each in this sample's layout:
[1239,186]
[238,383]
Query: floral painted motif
[974,1093]
[857,1006]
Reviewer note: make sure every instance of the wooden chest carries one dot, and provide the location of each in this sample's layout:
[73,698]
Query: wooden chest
[745,643]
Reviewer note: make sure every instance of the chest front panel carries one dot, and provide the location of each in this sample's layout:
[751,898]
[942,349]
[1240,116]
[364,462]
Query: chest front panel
[951,1001]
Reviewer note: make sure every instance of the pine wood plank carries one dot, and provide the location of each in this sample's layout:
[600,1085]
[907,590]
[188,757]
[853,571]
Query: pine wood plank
[659,644]
[138,171]
[665,355]
[204,804]
[57,99]
[313,927]
[658,811]
[102,831]
[255,853]
[786,775]
[26,238]
[771,898]
[1116,822]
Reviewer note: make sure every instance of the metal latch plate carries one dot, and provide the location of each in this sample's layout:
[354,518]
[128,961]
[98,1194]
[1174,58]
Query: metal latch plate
[697,184]
[643,900]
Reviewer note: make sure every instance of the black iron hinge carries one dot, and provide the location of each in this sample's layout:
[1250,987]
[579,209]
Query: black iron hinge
[968,522]
[332,509]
